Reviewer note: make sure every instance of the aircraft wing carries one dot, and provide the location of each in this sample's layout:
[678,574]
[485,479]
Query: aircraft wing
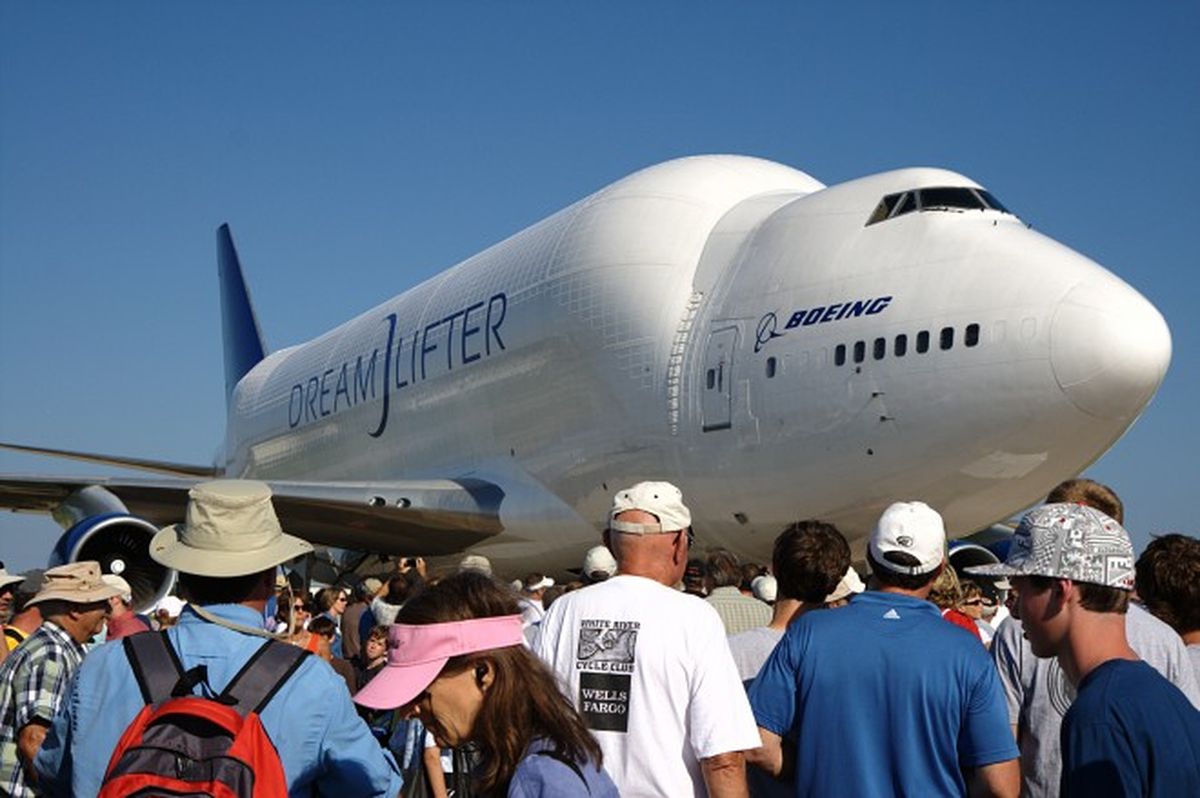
[441,516]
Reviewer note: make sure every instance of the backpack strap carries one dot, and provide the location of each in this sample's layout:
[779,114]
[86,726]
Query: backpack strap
[155,665]
[262,676]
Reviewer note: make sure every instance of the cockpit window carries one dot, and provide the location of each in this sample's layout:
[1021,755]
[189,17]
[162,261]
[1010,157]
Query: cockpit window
[991,201]
[884,209]
[941,198]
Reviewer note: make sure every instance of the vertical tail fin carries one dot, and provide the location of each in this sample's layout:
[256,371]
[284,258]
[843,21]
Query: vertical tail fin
[244,346]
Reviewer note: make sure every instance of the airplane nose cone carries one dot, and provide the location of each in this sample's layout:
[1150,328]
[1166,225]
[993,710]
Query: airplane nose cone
[1109,348]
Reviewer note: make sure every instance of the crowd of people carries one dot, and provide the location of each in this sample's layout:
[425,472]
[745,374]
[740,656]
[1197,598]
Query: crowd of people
[1071,668]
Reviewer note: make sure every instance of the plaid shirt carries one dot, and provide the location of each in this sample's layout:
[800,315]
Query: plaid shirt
[739,613]
[33,682]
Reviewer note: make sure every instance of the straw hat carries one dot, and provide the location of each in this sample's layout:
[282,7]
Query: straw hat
[231,530]
[77,582]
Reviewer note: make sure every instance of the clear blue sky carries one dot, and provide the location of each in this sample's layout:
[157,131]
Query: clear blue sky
[357,148]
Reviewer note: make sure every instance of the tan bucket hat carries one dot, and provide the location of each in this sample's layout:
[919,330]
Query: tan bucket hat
[77,582]
[231,530]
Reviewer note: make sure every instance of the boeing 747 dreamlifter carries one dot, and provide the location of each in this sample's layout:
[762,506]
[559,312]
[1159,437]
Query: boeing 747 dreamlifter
[777,348]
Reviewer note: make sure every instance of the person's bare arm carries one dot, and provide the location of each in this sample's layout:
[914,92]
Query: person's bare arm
[29,742]
[773,756]
[433,772]
[725,775]
[998,780]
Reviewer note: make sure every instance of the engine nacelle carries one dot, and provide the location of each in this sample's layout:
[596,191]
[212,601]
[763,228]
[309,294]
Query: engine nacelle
[966,555]
[120,542]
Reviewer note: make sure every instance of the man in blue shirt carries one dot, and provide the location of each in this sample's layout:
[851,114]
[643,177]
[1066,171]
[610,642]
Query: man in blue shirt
[883,697]
[226,554]
[1129,731]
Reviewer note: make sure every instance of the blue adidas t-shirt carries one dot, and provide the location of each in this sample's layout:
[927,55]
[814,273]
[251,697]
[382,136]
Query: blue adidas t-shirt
[884,698]
[1130,732]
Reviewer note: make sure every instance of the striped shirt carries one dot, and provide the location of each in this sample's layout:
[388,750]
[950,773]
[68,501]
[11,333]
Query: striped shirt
[33,682]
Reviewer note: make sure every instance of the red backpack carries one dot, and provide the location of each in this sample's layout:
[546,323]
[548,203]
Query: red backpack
[183,745]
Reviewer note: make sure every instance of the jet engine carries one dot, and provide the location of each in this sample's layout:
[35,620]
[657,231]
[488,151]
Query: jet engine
[119,541]
[983,548]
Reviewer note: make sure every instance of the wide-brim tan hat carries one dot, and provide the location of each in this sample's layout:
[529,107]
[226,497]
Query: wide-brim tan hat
[231,530]
[77,582]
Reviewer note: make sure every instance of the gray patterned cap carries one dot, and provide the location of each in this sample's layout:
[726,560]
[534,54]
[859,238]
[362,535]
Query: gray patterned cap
[1068,541]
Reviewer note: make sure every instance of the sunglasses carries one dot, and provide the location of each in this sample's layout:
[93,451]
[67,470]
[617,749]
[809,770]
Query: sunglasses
[973,602]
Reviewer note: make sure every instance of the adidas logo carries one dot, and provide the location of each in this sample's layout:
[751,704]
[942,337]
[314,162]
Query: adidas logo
[892,615]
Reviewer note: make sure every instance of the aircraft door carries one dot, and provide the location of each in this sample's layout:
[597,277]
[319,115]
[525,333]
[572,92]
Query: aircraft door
[717,380]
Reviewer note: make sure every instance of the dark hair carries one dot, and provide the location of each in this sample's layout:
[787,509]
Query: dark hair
[1168,581]
[750,572]
[809,559]
[1093,597]
[20,599]
[552,594]
[401,586]
[722,569]
[1090,493]
[324,626]
[219,589]
[524,701]
[889,578]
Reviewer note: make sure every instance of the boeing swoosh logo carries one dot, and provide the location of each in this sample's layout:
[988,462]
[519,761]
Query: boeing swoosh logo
[767,329]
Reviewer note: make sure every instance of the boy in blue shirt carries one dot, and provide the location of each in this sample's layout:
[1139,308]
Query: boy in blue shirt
[1130,732]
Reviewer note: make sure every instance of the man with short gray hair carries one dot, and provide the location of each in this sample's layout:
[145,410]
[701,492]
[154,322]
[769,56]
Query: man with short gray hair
[648,666]
[722,577]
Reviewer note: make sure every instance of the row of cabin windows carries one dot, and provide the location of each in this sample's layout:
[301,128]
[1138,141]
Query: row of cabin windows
[900,345]
[879,348]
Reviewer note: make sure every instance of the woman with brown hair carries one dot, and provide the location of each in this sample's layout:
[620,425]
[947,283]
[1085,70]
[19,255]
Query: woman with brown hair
[457,661]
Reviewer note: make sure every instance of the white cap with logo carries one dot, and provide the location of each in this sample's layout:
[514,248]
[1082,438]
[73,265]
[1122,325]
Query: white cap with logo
[912,528]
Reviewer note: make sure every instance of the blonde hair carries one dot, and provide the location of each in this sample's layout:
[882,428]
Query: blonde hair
[946,592]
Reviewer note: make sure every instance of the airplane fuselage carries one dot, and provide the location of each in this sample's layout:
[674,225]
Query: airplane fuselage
[779,349]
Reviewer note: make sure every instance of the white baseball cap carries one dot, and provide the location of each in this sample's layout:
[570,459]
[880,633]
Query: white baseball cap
[662,500]
[599,560]
[764,588]
[112,580]
[912,528]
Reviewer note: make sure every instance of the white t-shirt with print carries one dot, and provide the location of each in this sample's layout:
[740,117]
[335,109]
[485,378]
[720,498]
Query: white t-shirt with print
[649,669]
